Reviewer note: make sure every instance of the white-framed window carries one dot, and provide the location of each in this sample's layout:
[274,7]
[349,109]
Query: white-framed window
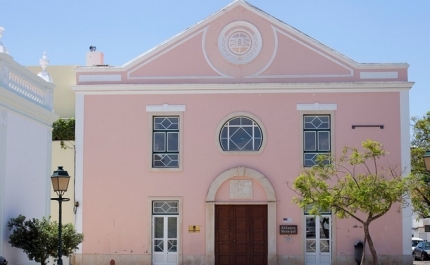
[316,137]
[166,136]
[241,133]
[165,142]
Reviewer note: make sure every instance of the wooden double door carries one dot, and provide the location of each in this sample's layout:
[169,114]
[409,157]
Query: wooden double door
[241,234]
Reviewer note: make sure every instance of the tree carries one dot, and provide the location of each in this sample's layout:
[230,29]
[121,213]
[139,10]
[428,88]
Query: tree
[419,179]
[352,187]
[39,238]
[63,130]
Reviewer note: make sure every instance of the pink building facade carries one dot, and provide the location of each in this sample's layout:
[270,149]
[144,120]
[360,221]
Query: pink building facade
[184,154]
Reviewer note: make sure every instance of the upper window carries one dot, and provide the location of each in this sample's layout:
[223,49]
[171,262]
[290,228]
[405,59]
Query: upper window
[165,207]
[316,138]
[165,142]
[241,133]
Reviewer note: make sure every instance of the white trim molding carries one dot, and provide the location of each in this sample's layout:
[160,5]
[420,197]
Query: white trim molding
[316,106]
[99,78]
[379,75]
[246,88]
[165,108]
[79,166]
[407,214]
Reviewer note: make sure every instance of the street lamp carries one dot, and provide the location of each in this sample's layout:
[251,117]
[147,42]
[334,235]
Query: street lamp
[60,181]
[427,160]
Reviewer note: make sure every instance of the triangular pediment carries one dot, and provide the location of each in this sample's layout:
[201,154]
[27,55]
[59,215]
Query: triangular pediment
[243,44]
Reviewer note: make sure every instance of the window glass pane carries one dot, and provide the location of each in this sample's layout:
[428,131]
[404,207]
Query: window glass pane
[173,227]
[324,141]
[325,227]
[224,144]
[257,142]
[246,121]
[248,131]
[166,123]
[158,245]
[310,141]
[325,122]
[158,227]
[224,133]
[165,207]
[159,142]
[235,121]
[248,146]
[174,123]
[309,159]
[232,146]
[316,122]
[240,138]
[165,160]
[311,245]
[172,246]
[257,132]
[172,141]
[310,227]
[307,122]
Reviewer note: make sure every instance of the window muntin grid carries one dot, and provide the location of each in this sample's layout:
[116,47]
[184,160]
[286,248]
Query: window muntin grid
[316,138]
[165,144]
[165,207]
[241,134]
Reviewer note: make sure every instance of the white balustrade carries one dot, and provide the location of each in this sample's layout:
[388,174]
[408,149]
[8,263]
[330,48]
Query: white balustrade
[24,83]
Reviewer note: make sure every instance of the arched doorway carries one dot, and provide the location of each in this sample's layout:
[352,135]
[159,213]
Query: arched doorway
[270,202]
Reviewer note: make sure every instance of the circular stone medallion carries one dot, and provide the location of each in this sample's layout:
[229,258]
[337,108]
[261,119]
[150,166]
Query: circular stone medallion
[239,42]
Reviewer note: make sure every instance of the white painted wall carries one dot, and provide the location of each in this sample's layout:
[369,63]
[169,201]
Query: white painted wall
[27,175]
[26,118]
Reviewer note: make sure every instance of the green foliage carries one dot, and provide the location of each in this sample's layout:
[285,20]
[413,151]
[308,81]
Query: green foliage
[353,185]
[63,130]
[39,238]
[419,179]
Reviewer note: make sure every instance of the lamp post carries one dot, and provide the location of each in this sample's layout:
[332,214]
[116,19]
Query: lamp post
[60,181]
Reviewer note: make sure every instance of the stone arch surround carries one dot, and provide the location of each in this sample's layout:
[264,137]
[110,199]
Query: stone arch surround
[210,210]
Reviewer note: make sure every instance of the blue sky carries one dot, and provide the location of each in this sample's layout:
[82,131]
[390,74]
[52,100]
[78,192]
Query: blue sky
[367,31]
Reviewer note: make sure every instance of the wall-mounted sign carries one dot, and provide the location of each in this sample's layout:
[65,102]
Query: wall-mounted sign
[194,229]
[287,220]
[288,229]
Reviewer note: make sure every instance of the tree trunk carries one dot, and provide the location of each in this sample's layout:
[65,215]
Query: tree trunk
[364,251]
[370,242]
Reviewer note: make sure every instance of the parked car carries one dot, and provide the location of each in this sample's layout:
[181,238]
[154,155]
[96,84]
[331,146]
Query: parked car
[415,241]
[422,250]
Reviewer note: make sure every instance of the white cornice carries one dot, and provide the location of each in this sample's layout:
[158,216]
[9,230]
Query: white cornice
[26,108]
[382,66]
[243,88]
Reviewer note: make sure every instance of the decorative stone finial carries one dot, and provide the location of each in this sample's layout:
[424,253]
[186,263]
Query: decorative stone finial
[44,63]
[2,47]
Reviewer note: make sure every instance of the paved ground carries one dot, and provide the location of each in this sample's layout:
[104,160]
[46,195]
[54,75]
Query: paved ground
[416,262]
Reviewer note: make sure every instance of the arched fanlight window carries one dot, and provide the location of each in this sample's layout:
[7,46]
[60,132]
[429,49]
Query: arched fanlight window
[241,134]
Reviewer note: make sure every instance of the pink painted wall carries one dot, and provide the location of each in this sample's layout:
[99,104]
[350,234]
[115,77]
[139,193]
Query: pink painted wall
[116,161]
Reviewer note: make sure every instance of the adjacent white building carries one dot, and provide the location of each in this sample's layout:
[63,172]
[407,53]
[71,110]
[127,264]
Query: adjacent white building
[26,117]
